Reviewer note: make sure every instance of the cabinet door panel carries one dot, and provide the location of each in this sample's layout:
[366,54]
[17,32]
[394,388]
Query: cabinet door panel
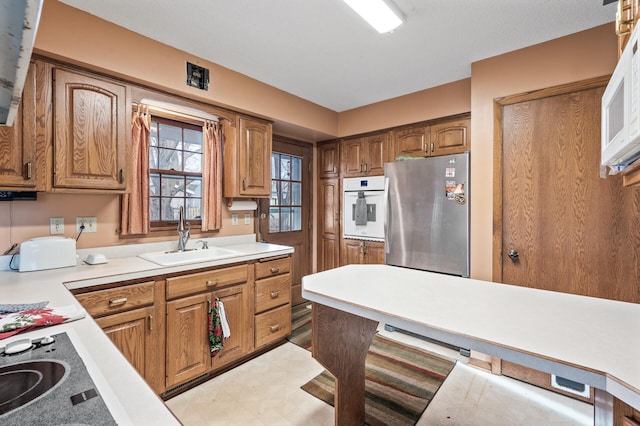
[374,253]
[352,160]
[411,142]
[376,148]
[236,306]
[450,138]
[90,121]
[188,354]
[130,333]
[352,252]
[255,153]
[329,160]
[18,142]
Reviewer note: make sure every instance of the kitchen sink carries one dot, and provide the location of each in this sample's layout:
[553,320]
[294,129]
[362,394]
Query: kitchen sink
[23,382]
[172,258]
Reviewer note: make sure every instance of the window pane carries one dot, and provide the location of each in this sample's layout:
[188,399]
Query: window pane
[154,208]
[296,173]
[154,184]
[171,208]
[193,208]
[285,193]
[296,194]
[285,167]
[274,193]
[172,186]
[192,162]
[170,136]
[153,134]
[275,165]
[285,219]
[153,158]
[194,187]
[296,219]
[192,140]
[274,219]
[170,159]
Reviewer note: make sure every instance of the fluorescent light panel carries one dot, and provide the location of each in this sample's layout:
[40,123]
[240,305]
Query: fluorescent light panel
[378,14]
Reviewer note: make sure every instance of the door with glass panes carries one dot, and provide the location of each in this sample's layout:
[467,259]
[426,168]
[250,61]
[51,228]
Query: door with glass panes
[285,218]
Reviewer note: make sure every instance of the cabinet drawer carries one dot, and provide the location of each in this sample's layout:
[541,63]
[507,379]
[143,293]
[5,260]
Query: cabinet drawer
[273,325]
[119,299]
[272,292]
[270,268]
[203,281]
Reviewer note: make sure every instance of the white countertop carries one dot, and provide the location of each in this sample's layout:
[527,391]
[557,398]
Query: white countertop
[140,404]
[589,340]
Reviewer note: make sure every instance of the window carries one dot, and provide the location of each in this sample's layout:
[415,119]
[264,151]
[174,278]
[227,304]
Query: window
[175,172]
[285,206]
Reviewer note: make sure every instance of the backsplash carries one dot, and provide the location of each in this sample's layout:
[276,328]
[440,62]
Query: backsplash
[23,220]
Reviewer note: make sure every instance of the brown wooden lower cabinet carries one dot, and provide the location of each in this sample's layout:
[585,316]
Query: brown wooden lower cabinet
[361,252]
[161,326]
[128,316]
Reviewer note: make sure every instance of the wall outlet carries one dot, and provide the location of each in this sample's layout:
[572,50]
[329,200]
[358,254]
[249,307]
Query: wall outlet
[90,223]
[234,219]
[247,218]
[56,225]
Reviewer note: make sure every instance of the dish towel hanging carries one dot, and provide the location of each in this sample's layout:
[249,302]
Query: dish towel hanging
[218,327]
[361,210]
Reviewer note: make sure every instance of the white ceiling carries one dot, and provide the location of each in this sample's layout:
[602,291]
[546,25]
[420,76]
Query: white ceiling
[320,50]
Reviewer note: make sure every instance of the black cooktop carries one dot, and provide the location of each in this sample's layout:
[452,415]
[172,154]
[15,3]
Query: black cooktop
[48,384]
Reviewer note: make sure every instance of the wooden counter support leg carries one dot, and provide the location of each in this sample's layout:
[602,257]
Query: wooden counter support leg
[340,342]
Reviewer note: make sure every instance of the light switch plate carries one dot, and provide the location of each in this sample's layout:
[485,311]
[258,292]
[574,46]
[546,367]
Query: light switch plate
[90,223]
[234,219]
[247,218]
[56,225]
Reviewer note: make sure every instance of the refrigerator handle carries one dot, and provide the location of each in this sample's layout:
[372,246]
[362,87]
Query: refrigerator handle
[387,242]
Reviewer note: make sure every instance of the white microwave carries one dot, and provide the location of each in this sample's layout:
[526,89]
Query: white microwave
[621,110]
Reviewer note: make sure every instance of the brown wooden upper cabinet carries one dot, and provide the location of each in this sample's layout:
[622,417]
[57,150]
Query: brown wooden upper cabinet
[329,155]
[626,19]
[92,128]
[18,142]
[365,156]
[247,161]
[450,137]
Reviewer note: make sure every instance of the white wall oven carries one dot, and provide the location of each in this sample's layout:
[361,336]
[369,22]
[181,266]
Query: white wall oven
[363,208]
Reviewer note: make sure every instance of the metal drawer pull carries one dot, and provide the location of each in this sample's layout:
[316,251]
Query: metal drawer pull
[274,270]
[274,328]
[150,322]
[212,283]
[274,294]
[120,301]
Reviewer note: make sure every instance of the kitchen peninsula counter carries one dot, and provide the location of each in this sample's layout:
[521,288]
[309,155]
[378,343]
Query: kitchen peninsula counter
[129,398]
[588,340]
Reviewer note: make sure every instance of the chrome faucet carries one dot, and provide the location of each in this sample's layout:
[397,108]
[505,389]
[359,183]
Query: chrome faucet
[183,233]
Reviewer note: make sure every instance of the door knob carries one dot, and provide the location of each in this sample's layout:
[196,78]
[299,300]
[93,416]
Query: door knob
[513,254]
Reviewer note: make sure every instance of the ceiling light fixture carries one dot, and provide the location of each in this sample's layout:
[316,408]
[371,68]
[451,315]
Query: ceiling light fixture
[381,15]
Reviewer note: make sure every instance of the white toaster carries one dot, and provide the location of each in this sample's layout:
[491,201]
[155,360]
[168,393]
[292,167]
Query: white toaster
[47,253]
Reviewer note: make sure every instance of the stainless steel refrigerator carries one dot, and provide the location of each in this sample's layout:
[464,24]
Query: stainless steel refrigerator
[427,214]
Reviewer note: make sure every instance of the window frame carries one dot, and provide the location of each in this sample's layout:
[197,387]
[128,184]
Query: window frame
[156,226]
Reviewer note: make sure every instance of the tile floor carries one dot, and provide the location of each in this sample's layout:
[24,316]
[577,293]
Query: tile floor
[266,391]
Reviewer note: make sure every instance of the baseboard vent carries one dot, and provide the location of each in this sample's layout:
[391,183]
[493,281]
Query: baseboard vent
[170,393]
[570,386]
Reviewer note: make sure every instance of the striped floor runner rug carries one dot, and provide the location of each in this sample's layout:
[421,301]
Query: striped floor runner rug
[400,381]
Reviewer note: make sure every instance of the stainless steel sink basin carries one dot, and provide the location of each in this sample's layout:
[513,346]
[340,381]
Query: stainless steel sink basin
[23,382]
[172,258]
